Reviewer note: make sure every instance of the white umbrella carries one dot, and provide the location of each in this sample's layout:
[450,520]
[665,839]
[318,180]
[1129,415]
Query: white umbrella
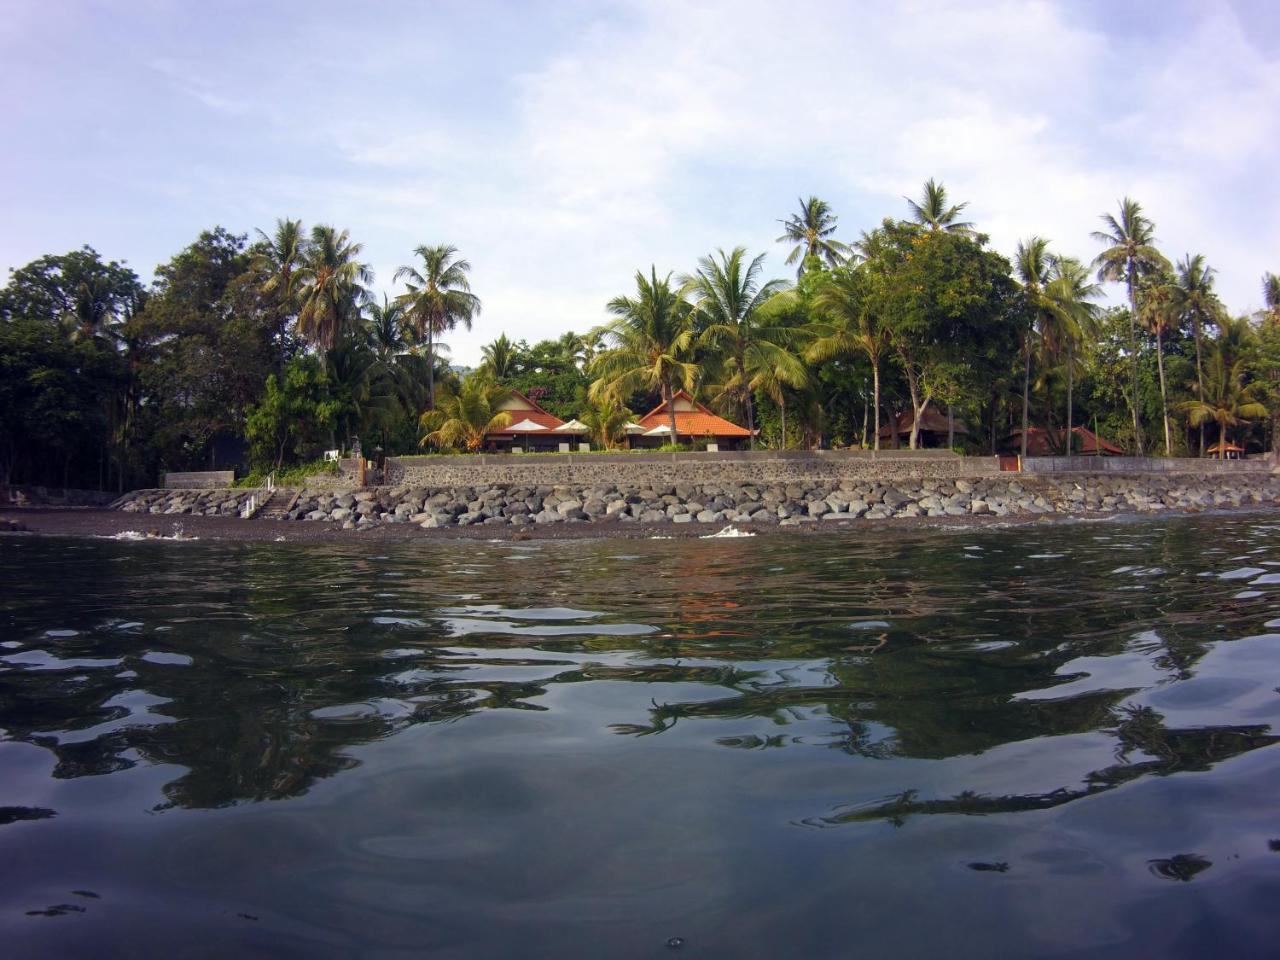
[633,428]
[662,431]
[524,426]
[573,426]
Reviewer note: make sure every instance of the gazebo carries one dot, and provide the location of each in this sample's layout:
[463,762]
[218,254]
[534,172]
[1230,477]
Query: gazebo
[531,427]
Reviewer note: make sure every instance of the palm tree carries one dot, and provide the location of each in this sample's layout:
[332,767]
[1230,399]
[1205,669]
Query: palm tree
[847,327]
[728,298]
[1070,297]
[1130,251]
[605,419]
[1227,400]
[277,258]
[649,345]
[1271,297]
[439,298]
[933,213]
[465,418]
[810,230]
[92,315]
[331,286]
[1198,305]
[1159,314]
[385,330]
[573,348]
[501,359]
[1031,261]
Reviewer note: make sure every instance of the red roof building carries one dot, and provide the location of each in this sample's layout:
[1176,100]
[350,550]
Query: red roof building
[1039,444]
[934,429]
[531,427]
[694,423]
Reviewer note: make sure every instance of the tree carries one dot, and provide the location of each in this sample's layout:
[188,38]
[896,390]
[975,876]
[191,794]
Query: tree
[1074,315]
[77,285]
[278,258]
[465,418]
[1160,314]
[1130,252]
[331,286]
[501,359]
[847,326]
[649,345]
[729,314]
[384,329]
[811,231]
[1228,400]
[295,411]
[439,298]
[1271,297]
[933,213]
[605,419]
[1197,305]
[1032,264]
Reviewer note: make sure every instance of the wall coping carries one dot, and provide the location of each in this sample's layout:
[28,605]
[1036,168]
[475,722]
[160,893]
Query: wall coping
[692,456]
[199,480]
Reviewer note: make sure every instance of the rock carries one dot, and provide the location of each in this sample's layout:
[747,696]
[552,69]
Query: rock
[682,518]
[979,507]
[817,508]
[709,516]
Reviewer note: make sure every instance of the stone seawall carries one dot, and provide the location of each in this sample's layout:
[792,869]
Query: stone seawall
[760,502]
[762,466]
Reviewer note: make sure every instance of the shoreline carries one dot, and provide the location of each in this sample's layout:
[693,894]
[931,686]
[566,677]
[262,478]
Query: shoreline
[94,523]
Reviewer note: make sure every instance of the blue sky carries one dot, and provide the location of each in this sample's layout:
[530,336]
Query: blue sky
[563,145]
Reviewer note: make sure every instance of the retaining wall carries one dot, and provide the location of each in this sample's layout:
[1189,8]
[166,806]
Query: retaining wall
[205,480]
[1128,465]
[744,466]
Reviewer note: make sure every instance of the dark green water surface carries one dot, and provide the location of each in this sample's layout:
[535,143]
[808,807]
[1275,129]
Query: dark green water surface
[1045,741]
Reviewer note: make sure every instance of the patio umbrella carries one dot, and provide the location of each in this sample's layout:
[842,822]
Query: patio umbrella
[573,426]
[524,426]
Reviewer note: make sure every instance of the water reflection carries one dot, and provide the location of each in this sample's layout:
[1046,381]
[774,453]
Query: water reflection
[257,671]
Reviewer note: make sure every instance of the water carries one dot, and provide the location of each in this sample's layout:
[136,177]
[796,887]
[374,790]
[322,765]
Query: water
[1037,742]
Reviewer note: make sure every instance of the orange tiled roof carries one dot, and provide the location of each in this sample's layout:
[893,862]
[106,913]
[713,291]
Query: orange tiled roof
[1038,442]
[525,409]
[698,422]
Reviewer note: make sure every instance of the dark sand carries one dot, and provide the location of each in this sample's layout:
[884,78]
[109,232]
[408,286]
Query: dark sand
[92,522]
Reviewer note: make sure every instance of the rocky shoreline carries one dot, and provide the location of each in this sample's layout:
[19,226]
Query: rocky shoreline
[703,505]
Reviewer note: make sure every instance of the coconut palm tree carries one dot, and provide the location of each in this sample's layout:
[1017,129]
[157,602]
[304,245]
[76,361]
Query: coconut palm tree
[276,259]
[1130,252]
[1074,316]
[1031,261]
[1271,297]
[439,298]
[92,315]
[465,418]
[384,329]
[501,358]
[728,300]
[605,419]
[648,345]
[933,213]
[1228,401]
[1198,305]
[1159,314]
[331,285]
[847,327]
[811,231]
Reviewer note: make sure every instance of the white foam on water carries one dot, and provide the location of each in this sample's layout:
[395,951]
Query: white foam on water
[726,533]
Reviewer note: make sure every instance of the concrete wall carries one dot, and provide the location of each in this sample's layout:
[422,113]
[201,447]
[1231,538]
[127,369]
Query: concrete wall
[743,466]
[1184,465]
[206,480]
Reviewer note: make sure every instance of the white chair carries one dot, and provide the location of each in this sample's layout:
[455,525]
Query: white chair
[331,456]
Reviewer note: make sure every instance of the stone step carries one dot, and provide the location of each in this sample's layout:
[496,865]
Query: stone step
[278,503]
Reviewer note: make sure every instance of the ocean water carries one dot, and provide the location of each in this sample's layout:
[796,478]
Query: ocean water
[1052,740]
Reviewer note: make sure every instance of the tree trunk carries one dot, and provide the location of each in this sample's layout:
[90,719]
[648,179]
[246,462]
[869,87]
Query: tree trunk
[1164,396]
[866,415]
[1071,375]
[1195,329]
[875,390]
[782,406]
[1133,356]
[751,420]
[431,367]
[671,410]
[1026,391]
[951,427]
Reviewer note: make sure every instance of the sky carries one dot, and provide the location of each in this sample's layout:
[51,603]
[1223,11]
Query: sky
[562,146]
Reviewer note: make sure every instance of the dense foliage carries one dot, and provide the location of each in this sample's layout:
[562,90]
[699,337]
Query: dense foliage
[262,353]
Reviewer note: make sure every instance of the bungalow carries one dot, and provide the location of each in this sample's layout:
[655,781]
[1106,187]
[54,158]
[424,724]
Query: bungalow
[1041,444]
[531,428]
[935,430]
[694,424]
